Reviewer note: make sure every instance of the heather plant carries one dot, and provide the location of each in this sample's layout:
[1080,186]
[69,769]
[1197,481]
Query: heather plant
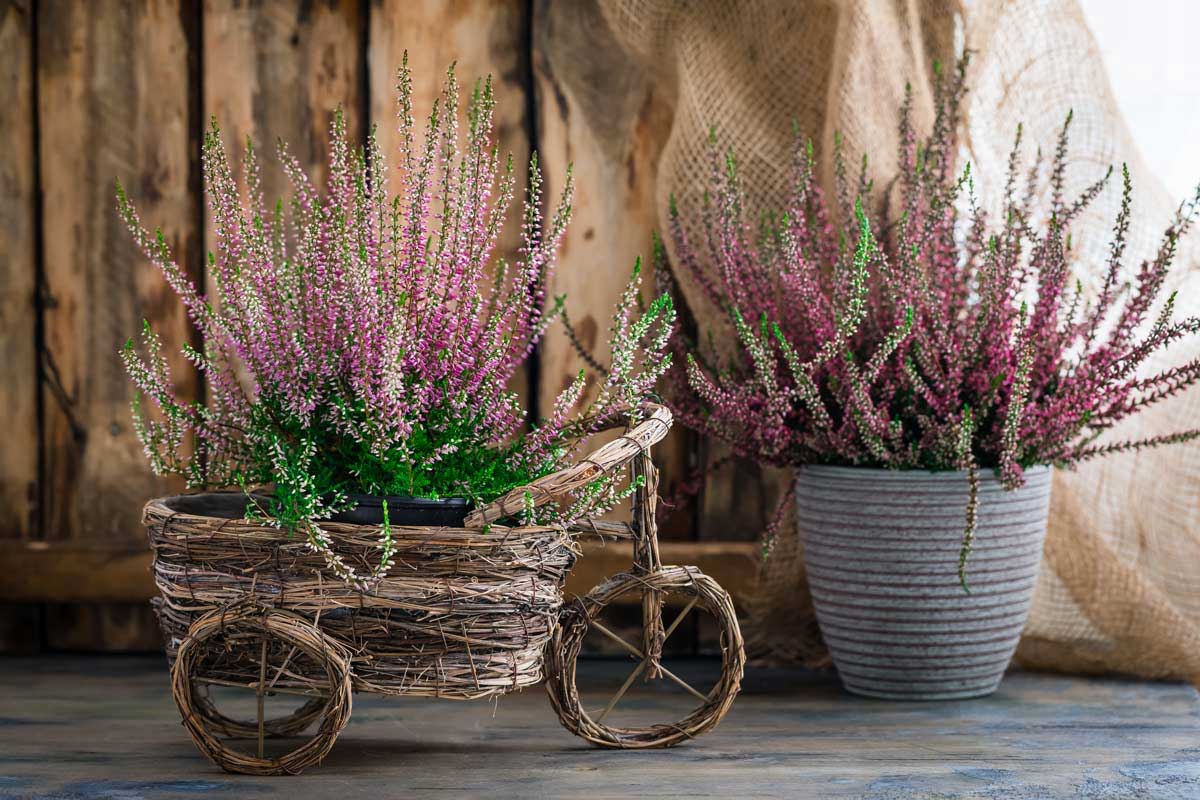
[932,337]
[360,341]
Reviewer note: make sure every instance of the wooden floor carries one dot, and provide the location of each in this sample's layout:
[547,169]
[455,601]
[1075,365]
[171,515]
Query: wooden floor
[107,728]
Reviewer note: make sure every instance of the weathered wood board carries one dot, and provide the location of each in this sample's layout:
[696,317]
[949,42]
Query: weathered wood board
[113,103]
[479,39]
[276,71]
[599,115]
[18,277]
[108,728]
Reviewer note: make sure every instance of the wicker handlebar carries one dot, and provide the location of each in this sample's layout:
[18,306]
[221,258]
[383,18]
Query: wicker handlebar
[612,456]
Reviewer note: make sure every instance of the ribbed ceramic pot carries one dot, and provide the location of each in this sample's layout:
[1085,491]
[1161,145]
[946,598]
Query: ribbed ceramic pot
[881,550]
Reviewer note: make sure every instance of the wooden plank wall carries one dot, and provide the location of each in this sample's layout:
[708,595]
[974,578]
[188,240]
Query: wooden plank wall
[18,315]
[100,89]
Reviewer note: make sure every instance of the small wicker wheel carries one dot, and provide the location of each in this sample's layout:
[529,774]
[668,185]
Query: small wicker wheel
[244,624]
[563,656]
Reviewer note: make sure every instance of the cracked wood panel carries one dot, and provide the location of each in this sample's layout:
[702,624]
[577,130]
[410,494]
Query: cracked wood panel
[597,112]
[480,39]
[18,323]
[113,103]
[18,271]
[277,70]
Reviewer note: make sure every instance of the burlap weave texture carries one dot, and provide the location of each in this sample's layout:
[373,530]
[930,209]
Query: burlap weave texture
[1120,586]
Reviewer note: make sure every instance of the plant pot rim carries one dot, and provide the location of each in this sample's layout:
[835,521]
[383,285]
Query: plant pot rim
[377,500]
[886,473]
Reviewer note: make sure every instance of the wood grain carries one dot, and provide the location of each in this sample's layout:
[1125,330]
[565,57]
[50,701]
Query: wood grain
[791,734]
[597,115]
[480,39]
[277,70]
[18,271]
[113,102]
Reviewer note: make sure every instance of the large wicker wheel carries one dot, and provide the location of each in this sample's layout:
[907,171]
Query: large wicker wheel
[292,656]
[703,593]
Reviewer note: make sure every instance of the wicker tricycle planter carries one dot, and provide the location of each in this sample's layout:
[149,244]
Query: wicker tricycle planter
[463,613]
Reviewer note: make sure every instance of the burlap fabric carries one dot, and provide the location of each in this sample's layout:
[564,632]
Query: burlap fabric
[1120,588]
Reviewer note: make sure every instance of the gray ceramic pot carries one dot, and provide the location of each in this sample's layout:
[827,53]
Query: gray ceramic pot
[881,551]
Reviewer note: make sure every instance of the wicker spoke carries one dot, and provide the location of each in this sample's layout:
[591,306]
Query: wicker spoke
[279,672]
[563,659]
[616,698]
[596,624]
[684,684]
[679,618]
[241,626]
[635,651]
[262,685]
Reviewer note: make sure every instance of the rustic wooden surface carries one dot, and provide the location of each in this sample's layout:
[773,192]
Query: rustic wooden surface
[113,102]
[107,728]
[18,310]
[18,275]
[277,71]
[101,90]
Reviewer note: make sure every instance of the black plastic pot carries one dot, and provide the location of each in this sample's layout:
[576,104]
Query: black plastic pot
[226,505]
[402,510]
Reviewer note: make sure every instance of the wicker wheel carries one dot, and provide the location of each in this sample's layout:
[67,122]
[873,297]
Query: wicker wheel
[582,615]
[276,638]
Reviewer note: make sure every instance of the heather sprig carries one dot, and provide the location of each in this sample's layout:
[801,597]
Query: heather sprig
[931,337]
[361,339]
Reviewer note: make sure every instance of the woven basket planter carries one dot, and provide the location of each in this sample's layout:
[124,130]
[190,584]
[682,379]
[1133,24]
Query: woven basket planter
[881,550]
[464,613]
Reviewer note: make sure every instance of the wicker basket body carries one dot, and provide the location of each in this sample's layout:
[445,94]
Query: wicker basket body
[462,613]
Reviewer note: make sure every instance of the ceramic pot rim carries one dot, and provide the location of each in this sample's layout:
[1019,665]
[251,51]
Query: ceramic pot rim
[884,473]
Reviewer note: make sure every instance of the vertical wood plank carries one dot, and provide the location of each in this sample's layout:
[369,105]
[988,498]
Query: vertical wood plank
[112,102]
[18,270]
[597,112]
[277,70]
[481,39]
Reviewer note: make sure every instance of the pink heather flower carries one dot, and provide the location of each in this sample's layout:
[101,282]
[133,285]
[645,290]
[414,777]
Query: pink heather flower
[364,339]
[900,343]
